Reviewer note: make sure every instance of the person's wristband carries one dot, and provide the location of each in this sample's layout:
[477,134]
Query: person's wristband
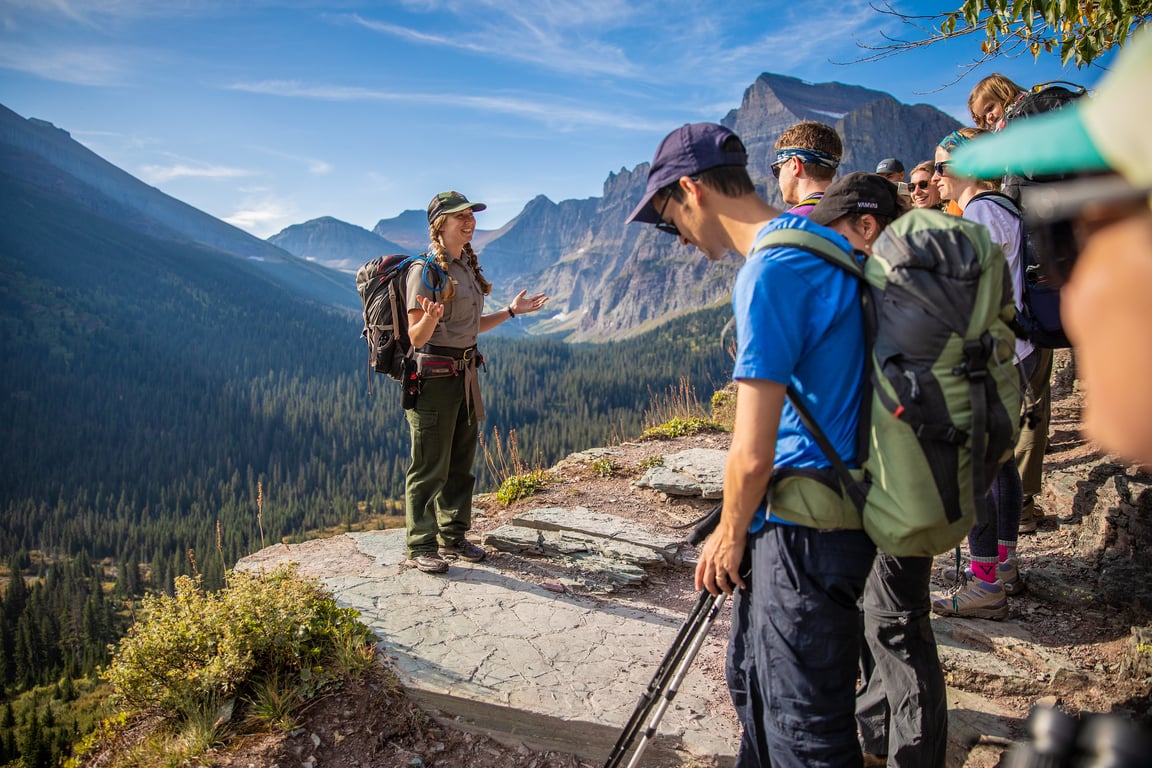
[510,312]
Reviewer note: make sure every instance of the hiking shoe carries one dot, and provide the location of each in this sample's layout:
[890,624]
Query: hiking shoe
[465,550]
[975,600]
[950,576]
[428,562]
[1008,574]
[1030,518]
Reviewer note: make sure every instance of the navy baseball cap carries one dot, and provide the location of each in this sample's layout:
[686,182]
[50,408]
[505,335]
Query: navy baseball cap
[686,151]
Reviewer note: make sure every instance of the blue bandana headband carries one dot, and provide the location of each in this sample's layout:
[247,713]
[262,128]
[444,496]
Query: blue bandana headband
[807,156]
[953,140]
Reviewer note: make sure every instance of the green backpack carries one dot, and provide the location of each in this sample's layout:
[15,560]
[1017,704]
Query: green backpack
[941,407]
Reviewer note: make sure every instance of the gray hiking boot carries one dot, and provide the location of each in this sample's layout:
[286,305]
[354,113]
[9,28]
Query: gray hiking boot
[975,600]
[465,550]
[1008,574]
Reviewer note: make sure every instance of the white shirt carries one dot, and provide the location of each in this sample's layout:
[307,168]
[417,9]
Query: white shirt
[1006,233]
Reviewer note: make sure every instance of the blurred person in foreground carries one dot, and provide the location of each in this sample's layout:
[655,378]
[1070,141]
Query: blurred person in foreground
[1097,235]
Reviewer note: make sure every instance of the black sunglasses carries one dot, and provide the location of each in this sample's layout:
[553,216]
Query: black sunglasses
[661,224]
[922,184]
[940,166]
[776,170]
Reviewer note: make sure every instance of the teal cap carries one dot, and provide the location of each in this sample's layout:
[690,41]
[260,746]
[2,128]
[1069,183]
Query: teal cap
[1050,144]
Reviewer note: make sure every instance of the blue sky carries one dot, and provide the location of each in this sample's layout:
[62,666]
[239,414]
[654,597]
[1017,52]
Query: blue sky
[267,113]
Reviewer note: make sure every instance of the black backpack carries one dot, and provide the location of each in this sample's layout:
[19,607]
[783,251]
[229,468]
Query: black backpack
[383,286]
[1039,99]
[1038,318]
[1039,321]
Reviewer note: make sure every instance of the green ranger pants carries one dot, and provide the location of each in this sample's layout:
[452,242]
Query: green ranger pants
[439,484]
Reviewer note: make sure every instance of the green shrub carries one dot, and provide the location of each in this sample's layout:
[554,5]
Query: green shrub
[656,460]
[724,406]
[604,467]
[519,487]
[196,650]
[681,427]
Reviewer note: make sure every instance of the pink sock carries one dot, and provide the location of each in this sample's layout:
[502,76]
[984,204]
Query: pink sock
[984,568]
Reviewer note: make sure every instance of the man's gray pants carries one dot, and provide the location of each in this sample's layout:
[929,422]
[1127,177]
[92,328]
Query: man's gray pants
[901,706]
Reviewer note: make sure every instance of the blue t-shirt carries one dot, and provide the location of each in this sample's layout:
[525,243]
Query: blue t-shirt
[798,322]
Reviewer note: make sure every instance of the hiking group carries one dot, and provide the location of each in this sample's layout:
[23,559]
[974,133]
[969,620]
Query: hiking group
[892,389]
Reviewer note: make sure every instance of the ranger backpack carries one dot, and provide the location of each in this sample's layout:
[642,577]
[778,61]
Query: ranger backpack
[383,286]
[941,404]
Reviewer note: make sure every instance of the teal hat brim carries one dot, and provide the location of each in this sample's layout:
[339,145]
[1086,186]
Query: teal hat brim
[1050,144]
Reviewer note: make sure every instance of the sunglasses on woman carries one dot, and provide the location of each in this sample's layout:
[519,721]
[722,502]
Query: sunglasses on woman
[940,166]
[922,184]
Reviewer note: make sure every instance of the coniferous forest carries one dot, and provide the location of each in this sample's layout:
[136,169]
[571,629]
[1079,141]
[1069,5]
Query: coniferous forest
[167,410]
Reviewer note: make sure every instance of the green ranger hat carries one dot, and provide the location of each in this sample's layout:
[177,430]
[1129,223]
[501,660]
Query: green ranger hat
[450,202]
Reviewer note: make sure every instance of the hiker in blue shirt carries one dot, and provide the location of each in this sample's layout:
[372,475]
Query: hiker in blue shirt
[796,572]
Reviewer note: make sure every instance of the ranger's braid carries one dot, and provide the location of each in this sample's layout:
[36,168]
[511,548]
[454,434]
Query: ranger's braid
[474,262]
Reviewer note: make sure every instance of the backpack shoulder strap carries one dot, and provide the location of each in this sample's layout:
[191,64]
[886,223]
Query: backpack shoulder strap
[431,273]
[856,491]
[815,244]
[1000,199]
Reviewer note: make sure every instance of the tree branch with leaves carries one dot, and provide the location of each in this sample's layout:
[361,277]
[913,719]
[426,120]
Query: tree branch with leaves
[1078,31]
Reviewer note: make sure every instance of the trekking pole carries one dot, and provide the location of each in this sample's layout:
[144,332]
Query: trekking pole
[660,680]
[674,686]
[689,638]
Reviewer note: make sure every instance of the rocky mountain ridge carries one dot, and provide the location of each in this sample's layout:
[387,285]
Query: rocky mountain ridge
[590,261]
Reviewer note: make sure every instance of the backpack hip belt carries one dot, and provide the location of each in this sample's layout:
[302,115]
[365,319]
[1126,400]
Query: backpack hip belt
[460,354]
[435,362]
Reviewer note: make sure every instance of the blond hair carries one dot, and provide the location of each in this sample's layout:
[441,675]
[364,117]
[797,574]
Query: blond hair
[443,259]
[996,87]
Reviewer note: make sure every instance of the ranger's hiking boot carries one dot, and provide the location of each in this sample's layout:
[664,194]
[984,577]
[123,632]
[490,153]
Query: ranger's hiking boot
[975,600]
[465,550]
[1030,518]
[428,562]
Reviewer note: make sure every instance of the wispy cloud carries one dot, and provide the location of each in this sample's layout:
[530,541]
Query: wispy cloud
[79,66]
[559,35]
[315,166]
[158,174]
[556,114]
[263,217]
